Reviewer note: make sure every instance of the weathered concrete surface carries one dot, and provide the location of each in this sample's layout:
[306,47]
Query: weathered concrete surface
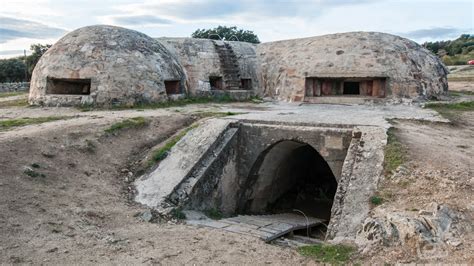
[361,172]
[154,188]
[201,60]
[411,70]
[125,67]
[265,227]
[335,114]
[228,184]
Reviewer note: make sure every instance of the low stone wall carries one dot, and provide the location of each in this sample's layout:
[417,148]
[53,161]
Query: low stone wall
[14,86]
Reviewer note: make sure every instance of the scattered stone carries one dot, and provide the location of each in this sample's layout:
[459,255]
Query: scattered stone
[147,216]
[52,250]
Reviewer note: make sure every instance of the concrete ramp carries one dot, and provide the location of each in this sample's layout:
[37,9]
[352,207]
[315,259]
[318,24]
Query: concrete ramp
[154,188]
[265,227]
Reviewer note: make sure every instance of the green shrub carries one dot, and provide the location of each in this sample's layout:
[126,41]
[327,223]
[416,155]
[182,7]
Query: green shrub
[134,122]
[332,254]
[163,152]
[213,214]
[178,214]
[376,200]
[395,152]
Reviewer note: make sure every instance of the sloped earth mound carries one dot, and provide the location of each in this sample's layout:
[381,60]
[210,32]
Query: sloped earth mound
[428,212]
[64,200]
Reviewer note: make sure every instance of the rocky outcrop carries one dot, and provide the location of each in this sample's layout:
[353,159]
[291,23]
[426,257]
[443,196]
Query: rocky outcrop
[124,67]
[425,233]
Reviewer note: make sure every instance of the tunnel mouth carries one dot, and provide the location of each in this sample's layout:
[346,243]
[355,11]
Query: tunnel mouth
[290,177]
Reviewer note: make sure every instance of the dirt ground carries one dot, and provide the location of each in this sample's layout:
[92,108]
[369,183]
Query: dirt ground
[461,86]
[78,211]
[439,170]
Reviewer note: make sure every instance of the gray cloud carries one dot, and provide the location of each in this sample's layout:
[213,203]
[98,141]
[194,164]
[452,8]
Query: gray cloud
[221,9]
[433,33]
[140,20]
[12,28]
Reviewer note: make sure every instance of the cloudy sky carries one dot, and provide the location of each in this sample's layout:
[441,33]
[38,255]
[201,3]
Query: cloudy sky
[23,22]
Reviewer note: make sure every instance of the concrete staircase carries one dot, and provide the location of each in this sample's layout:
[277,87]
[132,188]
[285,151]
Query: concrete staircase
[229,65]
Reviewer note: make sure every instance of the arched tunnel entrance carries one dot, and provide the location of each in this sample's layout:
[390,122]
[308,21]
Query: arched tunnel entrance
[288,176]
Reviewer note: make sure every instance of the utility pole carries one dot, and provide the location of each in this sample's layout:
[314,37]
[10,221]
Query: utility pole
[26,66]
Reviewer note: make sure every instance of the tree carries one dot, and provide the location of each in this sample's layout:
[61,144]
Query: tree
[38,51]
[463,45]
[226,33]
[13,69]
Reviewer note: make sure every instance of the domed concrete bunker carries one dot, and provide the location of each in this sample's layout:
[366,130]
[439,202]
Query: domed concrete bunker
[106,65]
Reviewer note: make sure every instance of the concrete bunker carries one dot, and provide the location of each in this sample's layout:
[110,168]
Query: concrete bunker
[173,87]
[246,84]
[287,176]
[261,174]
[216,82]
[362,87]
[105,66]
[68,86]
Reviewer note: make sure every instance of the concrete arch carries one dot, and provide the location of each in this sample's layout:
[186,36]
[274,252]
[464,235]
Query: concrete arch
[289,174]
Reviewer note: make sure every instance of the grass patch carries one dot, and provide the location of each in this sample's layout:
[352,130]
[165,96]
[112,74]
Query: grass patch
[376,200]
[9,123]
[134,122]
[214,214]
[163,152]
[451,111]
[395,152]
[460,93]
[32,173]
[461,106]
[167,104]
[12,93]
[178,214]
[14,103]
[332,254]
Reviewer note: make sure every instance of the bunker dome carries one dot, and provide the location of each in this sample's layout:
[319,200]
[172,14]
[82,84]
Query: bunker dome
[106,65]
[213,66]
[362,64]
